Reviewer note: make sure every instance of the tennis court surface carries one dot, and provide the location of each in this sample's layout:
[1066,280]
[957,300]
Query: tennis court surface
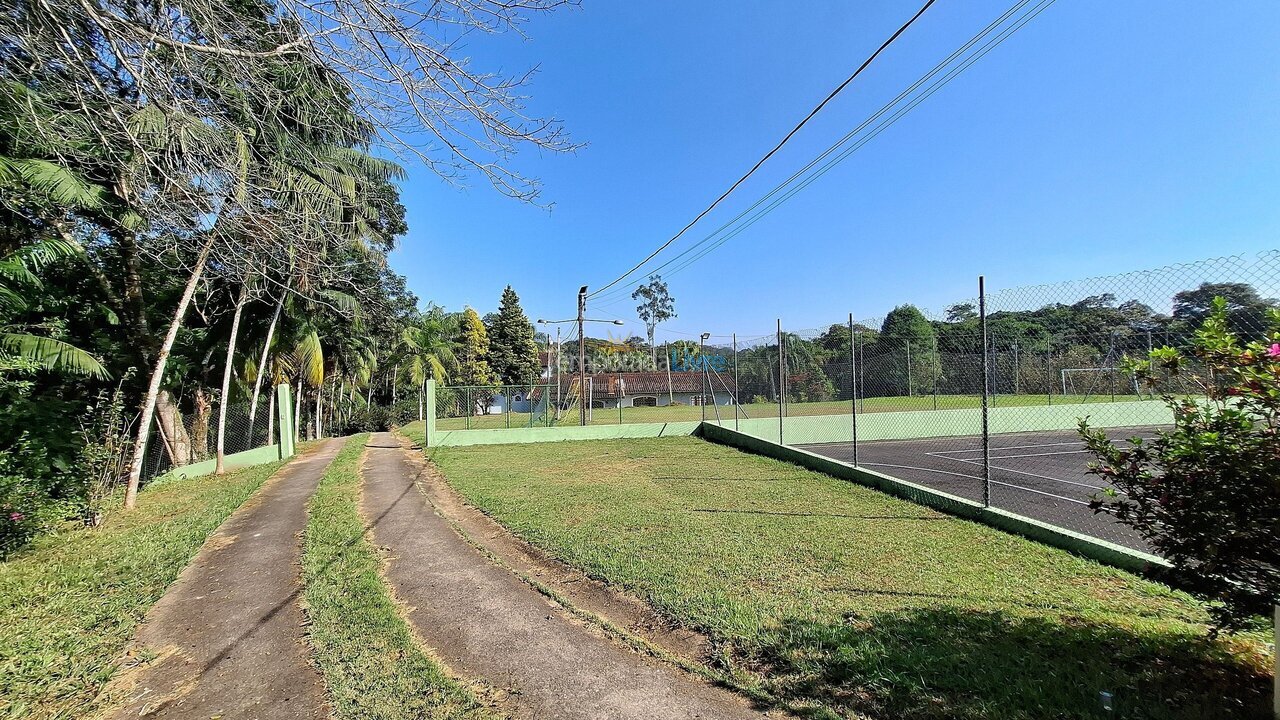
[1042,475]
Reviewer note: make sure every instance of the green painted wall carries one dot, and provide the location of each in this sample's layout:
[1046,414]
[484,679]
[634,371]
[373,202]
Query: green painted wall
[807,429]
[284,420]
[1099,550]
[430,412]
[911,424]
[446,438]
[234,461]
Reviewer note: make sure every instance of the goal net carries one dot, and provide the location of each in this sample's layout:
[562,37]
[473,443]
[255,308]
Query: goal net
[1099,381]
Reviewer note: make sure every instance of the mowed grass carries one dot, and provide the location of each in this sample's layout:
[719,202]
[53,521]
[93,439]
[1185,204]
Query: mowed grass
[841,601]
[69,603]
[686,413]
[372,666]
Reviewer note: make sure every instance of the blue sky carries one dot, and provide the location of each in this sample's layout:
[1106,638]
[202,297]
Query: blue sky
[1103,137]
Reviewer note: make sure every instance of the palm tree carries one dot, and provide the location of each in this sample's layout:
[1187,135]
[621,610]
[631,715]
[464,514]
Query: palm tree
[428,346]
[18,270]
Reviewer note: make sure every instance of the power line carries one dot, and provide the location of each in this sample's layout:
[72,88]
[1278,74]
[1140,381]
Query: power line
[775,149]
[950,75]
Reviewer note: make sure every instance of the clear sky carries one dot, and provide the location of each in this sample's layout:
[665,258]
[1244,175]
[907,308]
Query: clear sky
[1105,136]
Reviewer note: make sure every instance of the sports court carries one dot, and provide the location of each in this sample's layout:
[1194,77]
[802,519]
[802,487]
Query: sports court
[1042,475]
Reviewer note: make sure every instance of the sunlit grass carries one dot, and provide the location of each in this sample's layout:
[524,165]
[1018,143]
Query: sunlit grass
[846,601]
[69,604]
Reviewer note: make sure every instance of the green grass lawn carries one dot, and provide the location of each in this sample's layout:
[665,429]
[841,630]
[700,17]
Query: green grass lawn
[679,413]
[846,602]
[69,603]
[372,665]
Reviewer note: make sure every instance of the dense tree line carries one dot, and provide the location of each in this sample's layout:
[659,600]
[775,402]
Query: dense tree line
[196,203]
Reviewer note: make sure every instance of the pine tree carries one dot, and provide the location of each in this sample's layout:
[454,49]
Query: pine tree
[473,352]
[513,354]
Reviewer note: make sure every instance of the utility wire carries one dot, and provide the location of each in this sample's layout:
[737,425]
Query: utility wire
[619,294]
[775,149]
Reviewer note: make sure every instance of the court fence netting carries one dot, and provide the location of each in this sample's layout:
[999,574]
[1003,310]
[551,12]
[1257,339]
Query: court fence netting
[982,400]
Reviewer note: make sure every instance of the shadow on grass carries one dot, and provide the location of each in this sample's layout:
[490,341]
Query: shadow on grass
[955,663]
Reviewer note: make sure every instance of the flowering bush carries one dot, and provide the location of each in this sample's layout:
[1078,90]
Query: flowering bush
[1206,494]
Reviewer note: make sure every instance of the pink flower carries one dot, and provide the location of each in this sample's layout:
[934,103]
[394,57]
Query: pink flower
[1274,351]
[16,516]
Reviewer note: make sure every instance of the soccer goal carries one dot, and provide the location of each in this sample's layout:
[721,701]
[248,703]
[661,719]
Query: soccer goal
[1099,381]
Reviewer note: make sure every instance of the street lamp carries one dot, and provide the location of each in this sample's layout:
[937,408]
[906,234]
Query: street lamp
[582,349]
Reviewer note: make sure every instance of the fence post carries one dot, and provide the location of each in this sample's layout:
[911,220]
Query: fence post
[986,391]
[853,390]
[1048,375]
[737,389]
[430,414]
[471,408]
[781,374]
[284,407]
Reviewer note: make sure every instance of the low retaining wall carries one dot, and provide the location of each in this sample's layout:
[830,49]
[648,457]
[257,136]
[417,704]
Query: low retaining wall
[499,436]
[914,424]
[1093,548]
[234,461]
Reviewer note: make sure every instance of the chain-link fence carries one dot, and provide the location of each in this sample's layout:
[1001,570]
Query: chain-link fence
[186,430]
[491,407]
[984,400]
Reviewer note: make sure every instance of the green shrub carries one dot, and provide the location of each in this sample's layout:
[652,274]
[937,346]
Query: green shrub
[1206,494]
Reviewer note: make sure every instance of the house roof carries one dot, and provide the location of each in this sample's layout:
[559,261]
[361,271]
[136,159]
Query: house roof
[652,382]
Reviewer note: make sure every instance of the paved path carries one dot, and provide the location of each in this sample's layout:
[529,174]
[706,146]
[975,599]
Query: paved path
[229,633]
[487,624]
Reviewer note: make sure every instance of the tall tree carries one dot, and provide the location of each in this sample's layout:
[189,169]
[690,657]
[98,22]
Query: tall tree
[513,353]
[909,345]
[473,352]
[429,348]
[656,306]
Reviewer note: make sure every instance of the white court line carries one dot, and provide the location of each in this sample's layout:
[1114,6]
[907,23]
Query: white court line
[1022,447]
[1010,447]
[976,477]
[1029,474]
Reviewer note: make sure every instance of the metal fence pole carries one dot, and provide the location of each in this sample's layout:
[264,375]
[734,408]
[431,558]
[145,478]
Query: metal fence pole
[853,390]
[1048,375]
[736,389]
[471,406]
[781,374]
[986,390]
[506,403]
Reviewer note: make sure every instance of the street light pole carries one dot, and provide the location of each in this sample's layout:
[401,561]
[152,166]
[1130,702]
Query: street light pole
[582,354]
[582,320]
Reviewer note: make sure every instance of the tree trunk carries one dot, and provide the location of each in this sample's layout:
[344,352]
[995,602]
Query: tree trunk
[422,394]
[395,380]
[220,467]
[200,424]
[319,397]
[157,376]
[262,368]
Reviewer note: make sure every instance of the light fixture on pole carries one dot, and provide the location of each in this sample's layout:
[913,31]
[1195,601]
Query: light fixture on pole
[581,320]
